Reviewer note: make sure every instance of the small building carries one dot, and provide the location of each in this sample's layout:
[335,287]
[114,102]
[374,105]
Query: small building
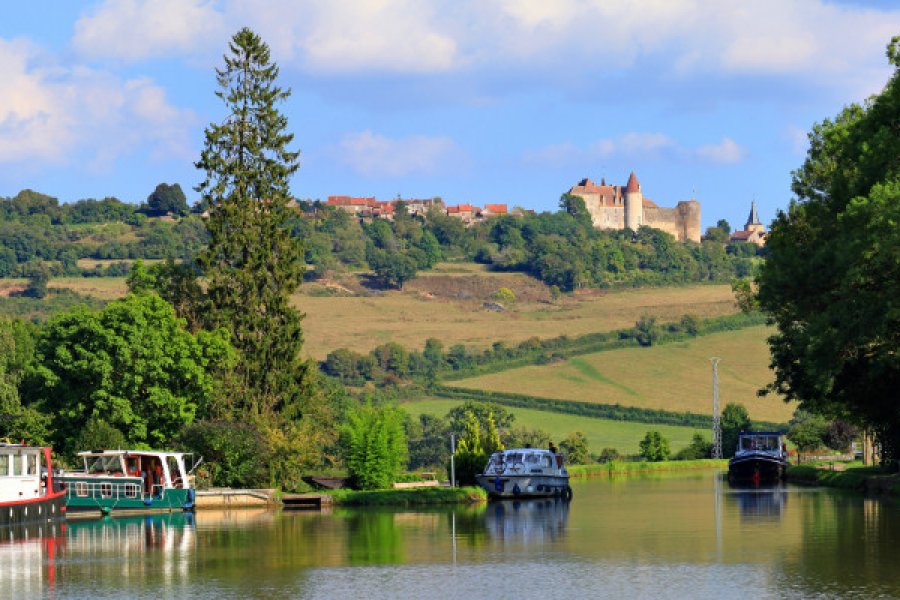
[493,210]
[754,232]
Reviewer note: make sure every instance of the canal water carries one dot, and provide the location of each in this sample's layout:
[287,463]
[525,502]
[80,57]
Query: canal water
[687,536]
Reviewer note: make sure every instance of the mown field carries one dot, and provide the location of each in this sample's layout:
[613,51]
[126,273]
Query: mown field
[410,317]
[600,433]
[674,377]
[448,304]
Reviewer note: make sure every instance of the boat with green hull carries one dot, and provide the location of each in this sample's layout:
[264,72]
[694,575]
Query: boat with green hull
[129,482]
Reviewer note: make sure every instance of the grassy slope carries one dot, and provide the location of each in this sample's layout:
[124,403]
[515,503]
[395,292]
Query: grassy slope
[600,433]
[410,317]
[447,304]
[673,377]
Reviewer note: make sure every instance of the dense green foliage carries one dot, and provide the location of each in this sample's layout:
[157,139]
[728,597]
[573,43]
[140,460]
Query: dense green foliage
[575,447]
[808,431]
[832,282]
[131,365]
[474,447]
[373,444]
[235,453]
[654,447]
[734,420]
[167,199]
[699,448]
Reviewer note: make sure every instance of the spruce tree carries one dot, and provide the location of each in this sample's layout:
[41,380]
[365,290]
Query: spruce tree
[252,264]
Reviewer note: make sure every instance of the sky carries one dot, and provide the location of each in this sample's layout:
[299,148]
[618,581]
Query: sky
[476,101]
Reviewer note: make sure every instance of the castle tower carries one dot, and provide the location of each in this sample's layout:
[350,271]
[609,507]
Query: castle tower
[753,223]
[634,204]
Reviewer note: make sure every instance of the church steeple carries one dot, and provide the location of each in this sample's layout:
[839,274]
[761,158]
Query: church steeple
[753,222]
[754,218]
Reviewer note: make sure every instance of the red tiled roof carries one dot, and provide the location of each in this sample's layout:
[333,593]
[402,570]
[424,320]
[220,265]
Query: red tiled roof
[633,185]
[741,235]
[648,203]
[497,209]
[459,208]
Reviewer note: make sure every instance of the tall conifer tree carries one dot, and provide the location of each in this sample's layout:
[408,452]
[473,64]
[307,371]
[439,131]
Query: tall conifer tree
[252,263]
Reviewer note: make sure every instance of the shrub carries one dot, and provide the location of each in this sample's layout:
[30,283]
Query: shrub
[654,447]
[698,448]
[373,444]
[506,295]
[608,455]
[576,449]
[235,454]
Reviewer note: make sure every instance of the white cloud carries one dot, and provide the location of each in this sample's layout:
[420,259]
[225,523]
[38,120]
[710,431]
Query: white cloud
[798,139]
[138,29]
[726,152]
[636,145]
[814,40]
[375,155]
[51,113]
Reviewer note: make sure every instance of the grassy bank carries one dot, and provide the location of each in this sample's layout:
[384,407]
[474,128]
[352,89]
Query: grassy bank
[410,497]
[616,467]
[860,479]
[624,436]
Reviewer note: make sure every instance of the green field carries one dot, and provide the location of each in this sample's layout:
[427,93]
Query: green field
[675,377]
[600,433]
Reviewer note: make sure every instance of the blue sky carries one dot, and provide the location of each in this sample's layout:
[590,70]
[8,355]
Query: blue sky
[479,101]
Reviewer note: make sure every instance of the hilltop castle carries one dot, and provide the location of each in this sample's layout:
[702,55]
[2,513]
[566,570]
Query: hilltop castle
[617,207]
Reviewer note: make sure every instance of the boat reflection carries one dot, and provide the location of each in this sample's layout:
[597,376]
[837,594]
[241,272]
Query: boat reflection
[527,521]
[760,504]
[28,559]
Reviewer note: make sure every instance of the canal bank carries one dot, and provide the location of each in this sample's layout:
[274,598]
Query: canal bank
[618,467]
[868,480]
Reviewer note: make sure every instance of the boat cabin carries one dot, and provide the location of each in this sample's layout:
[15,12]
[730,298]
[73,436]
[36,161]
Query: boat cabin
[525,460]
[129,480]
[21,468]
[759,441]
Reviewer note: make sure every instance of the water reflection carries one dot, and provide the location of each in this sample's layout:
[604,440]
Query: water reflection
[760,504]
[527,521]
[28,558]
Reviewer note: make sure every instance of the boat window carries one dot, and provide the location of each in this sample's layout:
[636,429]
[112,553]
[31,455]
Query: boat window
[17,461]
[4,465]
[514,457]
[548,462]
[81,489]
[132,490]
[102,464]
[31,464]
[531,458]
[106,490]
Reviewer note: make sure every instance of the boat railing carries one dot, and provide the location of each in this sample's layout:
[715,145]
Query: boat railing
[131,490]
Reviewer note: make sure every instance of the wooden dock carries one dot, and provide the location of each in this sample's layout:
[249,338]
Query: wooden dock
[306,501]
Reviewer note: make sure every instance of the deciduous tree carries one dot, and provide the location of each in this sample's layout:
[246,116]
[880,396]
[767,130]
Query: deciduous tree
[831,283]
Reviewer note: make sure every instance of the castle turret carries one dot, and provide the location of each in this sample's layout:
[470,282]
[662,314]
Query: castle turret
[634,204]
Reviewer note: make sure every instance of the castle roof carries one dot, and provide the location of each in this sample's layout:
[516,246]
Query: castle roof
[633,185]
[648,203]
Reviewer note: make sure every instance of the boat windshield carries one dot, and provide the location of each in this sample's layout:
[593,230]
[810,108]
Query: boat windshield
[103,464]
[760,442]
[514,457]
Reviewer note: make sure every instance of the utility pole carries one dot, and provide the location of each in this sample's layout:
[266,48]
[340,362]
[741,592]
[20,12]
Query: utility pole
[717,422]
[452,462]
